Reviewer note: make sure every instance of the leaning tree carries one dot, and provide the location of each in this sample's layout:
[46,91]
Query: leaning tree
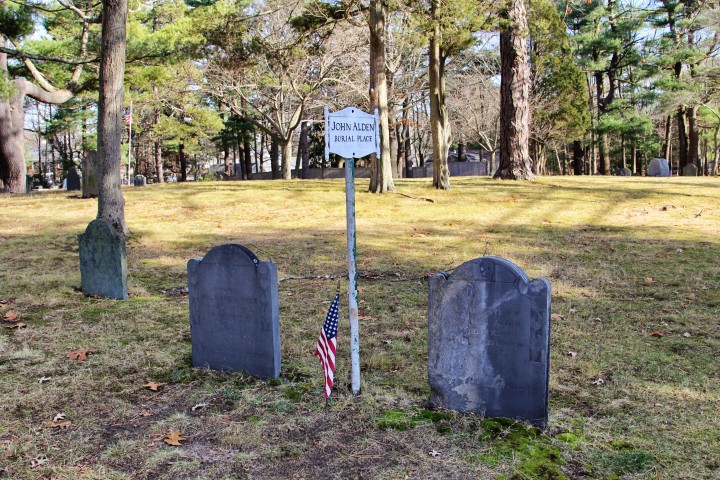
[17,23]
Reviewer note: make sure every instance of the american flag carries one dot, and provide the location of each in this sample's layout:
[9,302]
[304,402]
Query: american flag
[128,116]
[327,344]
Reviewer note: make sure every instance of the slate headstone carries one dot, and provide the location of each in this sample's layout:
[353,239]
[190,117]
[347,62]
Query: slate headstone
[658,168]
[103,264]
[489,341]
[625,172]
[91,174]
[234,313]
[140,181]
[690,170]
[73,179]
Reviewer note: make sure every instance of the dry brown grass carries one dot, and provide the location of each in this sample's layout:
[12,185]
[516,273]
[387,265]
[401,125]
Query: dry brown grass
[596,239]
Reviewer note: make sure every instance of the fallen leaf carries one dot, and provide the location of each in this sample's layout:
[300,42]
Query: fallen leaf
[435,453]
[39,460]
[679,250]
[61,424]
[573,310]
[16,325]
[10,315]
[9,454]
[556,316]
[44,379]
[657,333]
[174,438]
[81,354]
[599,381]
[649,280]
[686,335]
[153,386]
[660,255]
[691,295]
[198,406]
[572,354]
[58,417]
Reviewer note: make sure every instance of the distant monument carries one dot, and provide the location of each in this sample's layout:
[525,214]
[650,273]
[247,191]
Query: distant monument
[658,168]
[73,179]
[234,312]
[690,170]
[489,341]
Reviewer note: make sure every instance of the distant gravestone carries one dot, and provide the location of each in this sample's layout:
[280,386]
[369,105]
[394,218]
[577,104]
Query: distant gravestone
[91,168]
[234,313]
[140,181]
[489,341]
[658,168]
[73,179]
[625,172]
[103,264]
[690,170]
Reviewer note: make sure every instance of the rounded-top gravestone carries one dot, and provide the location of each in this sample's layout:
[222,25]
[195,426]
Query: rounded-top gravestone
[103,264]
[234,312]
[489,341]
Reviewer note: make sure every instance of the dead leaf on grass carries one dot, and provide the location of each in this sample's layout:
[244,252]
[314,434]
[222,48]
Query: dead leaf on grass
[10,315]
[657,333]
[174,438]
[649,280]
[198,406]
[44,379]
[686,335]
[15,325]
[435,453]
[81,354]
[61,424]
[556,316]
[599,381]
[39,460]
[660,255]
[572,354]
[153,386]
[58,417]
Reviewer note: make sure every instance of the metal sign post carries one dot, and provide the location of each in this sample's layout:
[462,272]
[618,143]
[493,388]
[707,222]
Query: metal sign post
[352,133]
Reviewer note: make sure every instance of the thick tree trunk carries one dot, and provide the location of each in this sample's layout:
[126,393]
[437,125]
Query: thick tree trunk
[603,165]
[248,157]
[381,179]
[578,157]
[159,162]
[111,204]
[404,138]
[439,120]
[682,139]
[274,158]
[286,158]
[515,161]
[693,138]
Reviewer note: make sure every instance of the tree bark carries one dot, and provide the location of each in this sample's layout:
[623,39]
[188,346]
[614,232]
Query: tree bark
[578,157]
[111,204]
[381,179]
[274,157]
[303,147]
[515,161]
[248,156]
[439,120]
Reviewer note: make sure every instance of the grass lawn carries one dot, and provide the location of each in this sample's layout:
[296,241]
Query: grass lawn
[635,347]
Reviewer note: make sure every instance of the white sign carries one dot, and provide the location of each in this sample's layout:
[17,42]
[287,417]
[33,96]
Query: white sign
[351,133]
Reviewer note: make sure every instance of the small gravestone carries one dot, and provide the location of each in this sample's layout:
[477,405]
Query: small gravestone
[234,313]
[489,341]
[103,265]
[73,179]
[90,167]
[140,181]
[658,168]
[690,170]
[625,172]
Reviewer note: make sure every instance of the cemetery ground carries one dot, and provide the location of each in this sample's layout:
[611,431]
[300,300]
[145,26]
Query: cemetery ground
[635,342]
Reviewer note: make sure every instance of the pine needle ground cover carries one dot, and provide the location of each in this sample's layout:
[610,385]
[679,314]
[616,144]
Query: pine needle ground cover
[101,389]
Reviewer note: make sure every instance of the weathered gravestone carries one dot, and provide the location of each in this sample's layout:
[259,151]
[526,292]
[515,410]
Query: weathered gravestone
[73,179]
[690,170]
[625,172]
[658,168]
[103,264]
[234,314]
[140,181]
[91,174]
[489,341]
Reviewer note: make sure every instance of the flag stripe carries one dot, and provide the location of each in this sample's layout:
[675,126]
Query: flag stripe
[327,345]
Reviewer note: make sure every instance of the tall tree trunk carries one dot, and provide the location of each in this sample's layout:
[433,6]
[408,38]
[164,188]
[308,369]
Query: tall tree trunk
[248,156]
[183,161]
[578,157]
[515,161]
[439,120]
[666,143]
[159,162]
[603,165]
[303,147]
[274,157]
[111,204]
[404,137]
[381,179]
[693,137]
[286,158]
